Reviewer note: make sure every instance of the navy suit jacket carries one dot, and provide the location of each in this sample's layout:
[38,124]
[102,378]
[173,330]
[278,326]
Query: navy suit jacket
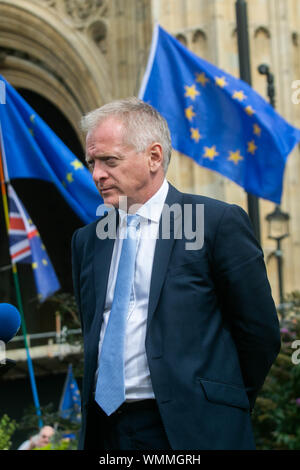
[212,329]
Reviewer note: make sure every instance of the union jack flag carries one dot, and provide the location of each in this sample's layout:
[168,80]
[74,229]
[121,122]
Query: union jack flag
[25,246]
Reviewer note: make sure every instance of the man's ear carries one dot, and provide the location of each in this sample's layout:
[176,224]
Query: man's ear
[155,156]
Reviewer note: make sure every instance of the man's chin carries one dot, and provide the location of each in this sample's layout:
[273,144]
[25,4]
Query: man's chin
[110,200]
[114,198]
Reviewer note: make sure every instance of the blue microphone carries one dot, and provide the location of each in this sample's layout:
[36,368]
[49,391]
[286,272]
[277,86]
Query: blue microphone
[10,321]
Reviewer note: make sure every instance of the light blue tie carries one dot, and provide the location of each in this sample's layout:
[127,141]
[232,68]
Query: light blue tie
[110,388]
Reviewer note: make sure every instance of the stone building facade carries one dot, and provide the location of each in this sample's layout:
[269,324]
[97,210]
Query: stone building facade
[80,54]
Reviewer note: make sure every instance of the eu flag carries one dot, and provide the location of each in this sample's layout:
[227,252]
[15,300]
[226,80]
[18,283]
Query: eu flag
[33,150]
[25,246]
[216,119]
[69,407]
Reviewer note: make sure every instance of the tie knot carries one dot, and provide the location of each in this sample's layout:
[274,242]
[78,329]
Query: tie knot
[132,226]
[133,220]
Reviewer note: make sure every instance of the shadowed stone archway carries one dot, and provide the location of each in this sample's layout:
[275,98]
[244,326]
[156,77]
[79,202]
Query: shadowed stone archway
[41,50]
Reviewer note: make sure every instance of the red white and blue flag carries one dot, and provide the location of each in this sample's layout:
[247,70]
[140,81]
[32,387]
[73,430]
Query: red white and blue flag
[25,246]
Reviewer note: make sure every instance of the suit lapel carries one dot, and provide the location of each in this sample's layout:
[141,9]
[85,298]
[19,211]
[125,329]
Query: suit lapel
[162,253]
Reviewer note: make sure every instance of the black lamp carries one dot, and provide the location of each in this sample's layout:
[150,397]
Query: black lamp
[278,229]
[278,224]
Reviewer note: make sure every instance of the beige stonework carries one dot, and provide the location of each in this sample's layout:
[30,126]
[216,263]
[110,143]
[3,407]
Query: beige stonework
[80,54]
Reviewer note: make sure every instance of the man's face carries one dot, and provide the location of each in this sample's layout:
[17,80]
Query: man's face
[45,435]
[117,169]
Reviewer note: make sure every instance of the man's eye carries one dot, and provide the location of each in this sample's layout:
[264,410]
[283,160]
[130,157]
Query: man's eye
[111,161]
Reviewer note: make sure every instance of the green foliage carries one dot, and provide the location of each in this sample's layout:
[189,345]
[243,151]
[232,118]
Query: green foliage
[7,428]
[276,415]
[63,445]
[59,442]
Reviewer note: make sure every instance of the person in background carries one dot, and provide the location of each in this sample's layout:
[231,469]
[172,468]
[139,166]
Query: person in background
[38,440]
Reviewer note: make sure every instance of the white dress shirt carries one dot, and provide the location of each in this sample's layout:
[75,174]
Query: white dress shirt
[137,376]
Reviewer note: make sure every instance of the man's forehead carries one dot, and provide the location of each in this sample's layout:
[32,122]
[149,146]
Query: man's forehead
[108,126]
[46,431]
[108,136]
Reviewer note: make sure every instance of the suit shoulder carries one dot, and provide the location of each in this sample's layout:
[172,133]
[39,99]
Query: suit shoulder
[216,211]
[83,234]
[209,202]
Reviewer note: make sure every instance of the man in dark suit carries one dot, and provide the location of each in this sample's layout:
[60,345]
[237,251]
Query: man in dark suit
[181,367]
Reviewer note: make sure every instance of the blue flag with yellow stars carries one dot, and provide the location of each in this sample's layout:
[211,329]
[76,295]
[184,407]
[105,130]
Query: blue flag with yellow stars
[216,119]
[70,403]
[33,150]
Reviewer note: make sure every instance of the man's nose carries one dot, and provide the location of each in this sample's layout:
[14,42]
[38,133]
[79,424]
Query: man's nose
[99,171]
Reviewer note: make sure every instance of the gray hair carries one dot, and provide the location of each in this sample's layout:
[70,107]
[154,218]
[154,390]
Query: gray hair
[142,124]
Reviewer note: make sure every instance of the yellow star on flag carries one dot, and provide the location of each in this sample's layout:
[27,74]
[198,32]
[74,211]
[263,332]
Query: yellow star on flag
[249,110]
[235,157]
[252,147]
[69,177]
[32,117]
[191,92]
[239,95]
[77,165]
[189,113]
[195,135]
[31,131]
[201,78]
[210,152]
[45,262]
[34,265]
[221,81]
[256,130]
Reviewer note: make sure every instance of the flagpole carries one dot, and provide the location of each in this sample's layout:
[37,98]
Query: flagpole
[19,300]
[245,74]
